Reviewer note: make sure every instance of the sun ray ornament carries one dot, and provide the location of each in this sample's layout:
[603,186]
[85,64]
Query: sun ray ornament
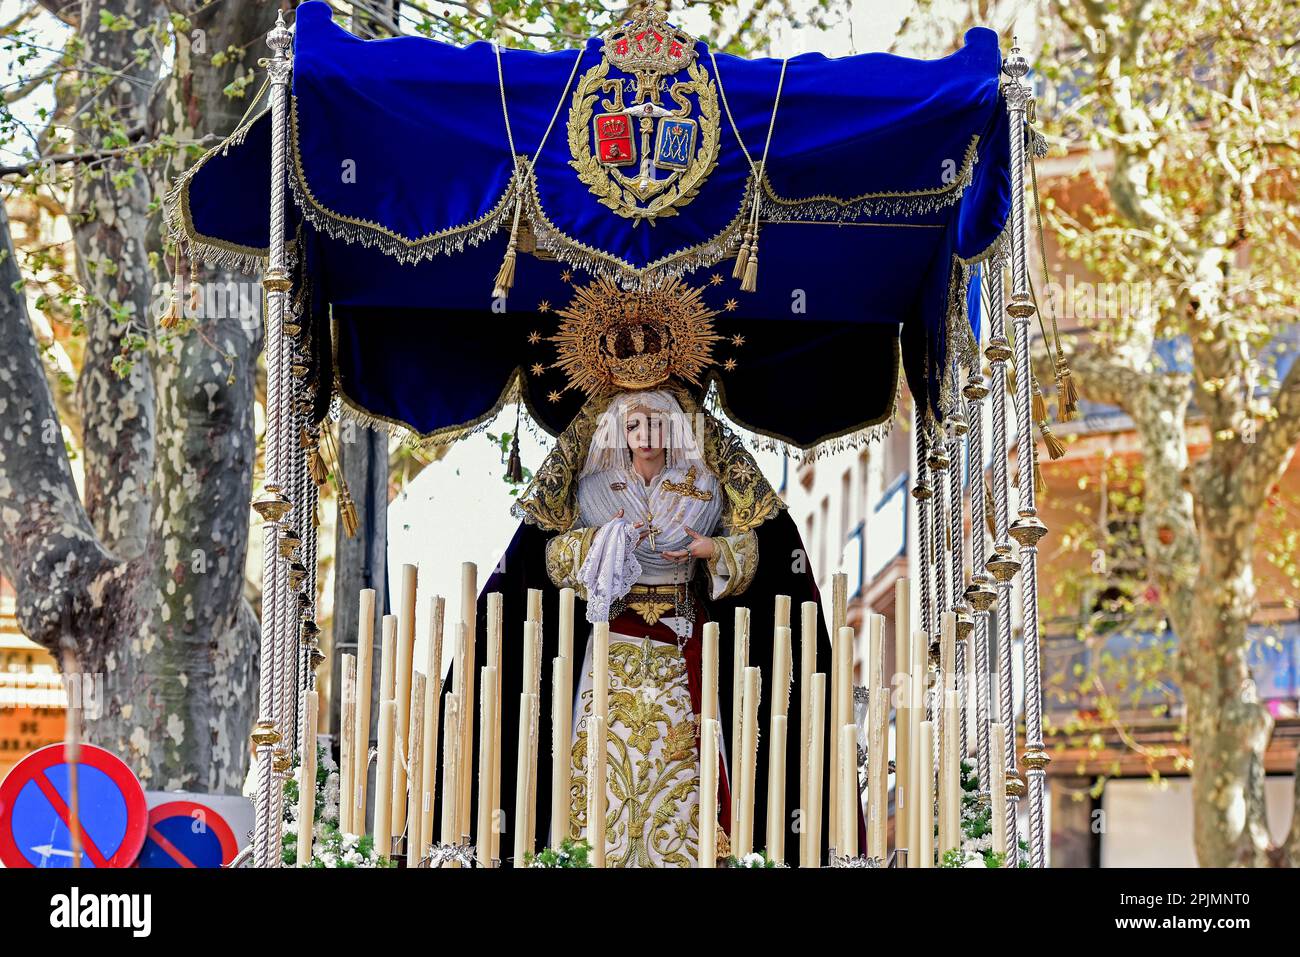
[611,337]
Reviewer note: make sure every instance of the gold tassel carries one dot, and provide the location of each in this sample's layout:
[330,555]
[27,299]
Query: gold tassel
[1040,404]
[172,317]
[316,467]
[195,298]
[1040,486]
[1055,447]
[348,514]
[989,507]
[515,468]
[742,257]
[1067,394]
[315,514]
[506,274]
[750,282]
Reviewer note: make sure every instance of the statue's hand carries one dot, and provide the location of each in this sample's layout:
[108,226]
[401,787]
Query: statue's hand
[701,546]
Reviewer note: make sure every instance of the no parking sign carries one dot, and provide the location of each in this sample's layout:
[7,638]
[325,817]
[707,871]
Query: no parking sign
[187,834]
[34,810]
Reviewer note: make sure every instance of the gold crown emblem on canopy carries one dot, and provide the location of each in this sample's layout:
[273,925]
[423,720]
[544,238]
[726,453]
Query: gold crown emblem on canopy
[645,137]
[649,44]
[634,339]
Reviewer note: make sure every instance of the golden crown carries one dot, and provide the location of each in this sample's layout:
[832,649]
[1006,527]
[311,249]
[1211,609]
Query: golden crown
[649,44]
[634,339]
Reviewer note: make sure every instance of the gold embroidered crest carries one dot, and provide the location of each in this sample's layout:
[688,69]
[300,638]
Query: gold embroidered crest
[644,136]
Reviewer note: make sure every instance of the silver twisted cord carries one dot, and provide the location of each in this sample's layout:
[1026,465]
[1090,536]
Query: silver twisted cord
[957,534]
[1001,523]
[975,439]
[923,530]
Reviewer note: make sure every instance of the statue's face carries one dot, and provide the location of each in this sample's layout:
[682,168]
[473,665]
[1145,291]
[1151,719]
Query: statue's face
[646,434]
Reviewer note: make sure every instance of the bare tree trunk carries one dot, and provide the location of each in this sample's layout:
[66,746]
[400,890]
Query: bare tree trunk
[1200,552]
[110,216]
[145,580]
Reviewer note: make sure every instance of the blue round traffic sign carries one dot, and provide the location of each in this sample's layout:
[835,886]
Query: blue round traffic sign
[187,834]
[36,810]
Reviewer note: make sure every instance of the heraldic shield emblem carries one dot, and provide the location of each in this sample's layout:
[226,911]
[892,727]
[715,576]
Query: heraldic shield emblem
[644,122]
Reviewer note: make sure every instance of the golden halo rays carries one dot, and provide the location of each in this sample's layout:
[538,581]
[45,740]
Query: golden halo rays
[634,339]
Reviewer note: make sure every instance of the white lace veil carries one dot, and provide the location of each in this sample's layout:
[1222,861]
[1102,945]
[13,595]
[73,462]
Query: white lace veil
[683,434]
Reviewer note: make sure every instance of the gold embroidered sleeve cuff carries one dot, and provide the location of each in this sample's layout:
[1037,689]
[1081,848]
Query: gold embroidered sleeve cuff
[734,562]
[565,554]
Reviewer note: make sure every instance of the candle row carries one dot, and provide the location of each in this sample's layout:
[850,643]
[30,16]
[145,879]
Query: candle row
[412,714]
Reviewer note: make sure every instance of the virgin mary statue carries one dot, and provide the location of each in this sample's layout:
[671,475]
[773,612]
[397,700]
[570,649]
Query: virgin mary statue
[660,520]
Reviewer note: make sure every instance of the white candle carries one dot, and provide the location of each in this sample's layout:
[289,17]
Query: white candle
[307,780]
[739,662]
[839,601]
[523,774]
[925,815]
[781,662]
[451,769]
[402,694]
[709,673]
[811,842]
[415,793]
[495,604]
[708,836]
[841,715]
[388,660]
[486,762]
[847,843]
[781,612]
[878,773]
[600,671]
[749,758]
[347,726]
[949,771]
[533,655]
[561,747]
[384,779]
[918,759]
[432,714]
[469,617]
[597,755]
[901,682]
[875,749]
[566,623]
[998,786]
[807,665]
[361,721]
[776,790]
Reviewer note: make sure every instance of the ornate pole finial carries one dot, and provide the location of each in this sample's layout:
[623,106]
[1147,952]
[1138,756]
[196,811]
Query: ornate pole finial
[1016,64]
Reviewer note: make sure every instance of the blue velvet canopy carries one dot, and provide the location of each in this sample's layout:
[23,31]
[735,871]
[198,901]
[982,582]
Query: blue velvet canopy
[885,181]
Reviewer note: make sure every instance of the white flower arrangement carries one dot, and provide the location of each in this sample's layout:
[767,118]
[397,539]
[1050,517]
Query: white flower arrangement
[330,846]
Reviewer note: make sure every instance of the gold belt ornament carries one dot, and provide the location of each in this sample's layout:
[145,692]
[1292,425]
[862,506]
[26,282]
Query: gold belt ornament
[652,602]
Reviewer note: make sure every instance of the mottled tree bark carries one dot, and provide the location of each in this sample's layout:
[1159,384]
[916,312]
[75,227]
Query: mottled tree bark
[110,217]
[1198,533]
[145,580]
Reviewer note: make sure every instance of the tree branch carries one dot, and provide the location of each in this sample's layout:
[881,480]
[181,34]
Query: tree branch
[47,547]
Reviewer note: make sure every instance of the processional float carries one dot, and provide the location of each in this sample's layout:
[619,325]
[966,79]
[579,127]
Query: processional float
[433,209]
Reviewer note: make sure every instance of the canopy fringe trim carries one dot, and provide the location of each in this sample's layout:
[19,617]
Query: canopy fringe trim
[343,406]
[856,437]
[352,229]
[179,223]
[918,202]
[962,349]
[603,265]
